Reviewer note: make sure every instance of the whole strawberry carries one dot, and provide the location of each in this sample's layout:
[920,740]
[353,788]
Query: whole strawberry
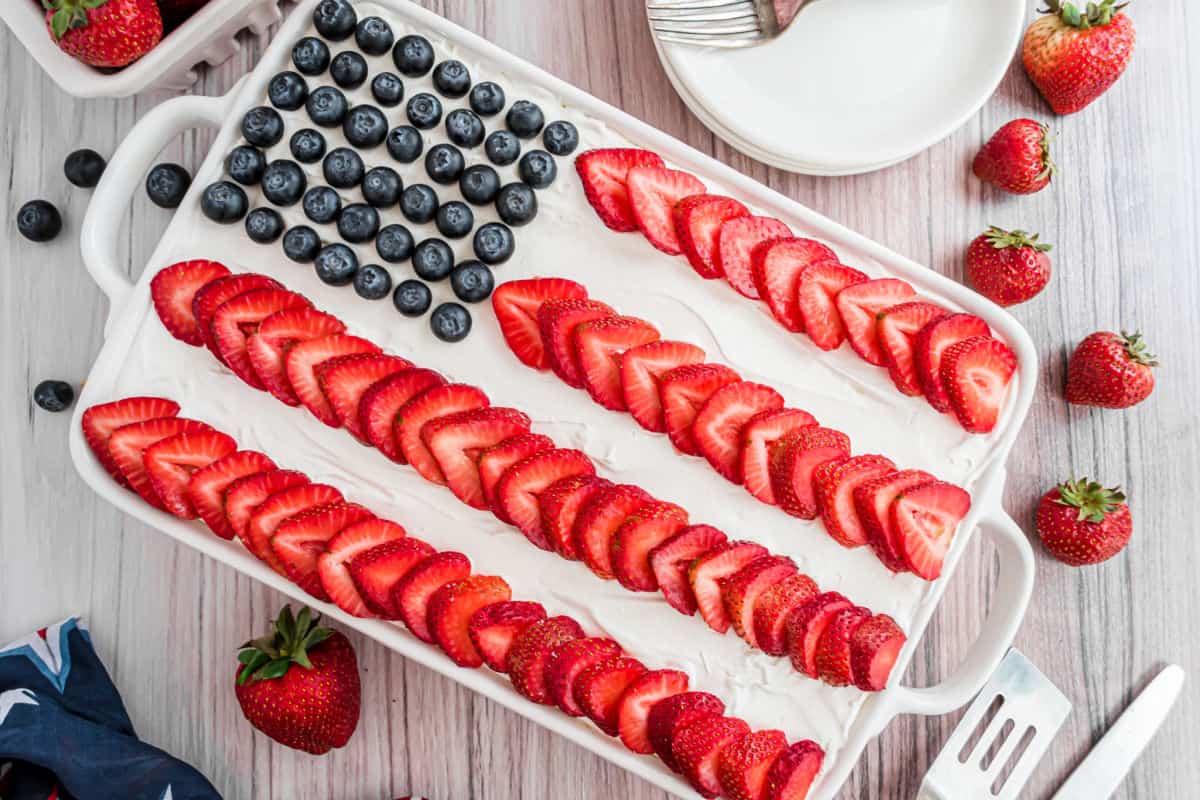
[1017,158]
[299,684]
[1081,522]
[104,33]
[1074,56]
[1110,370]
[1008,267]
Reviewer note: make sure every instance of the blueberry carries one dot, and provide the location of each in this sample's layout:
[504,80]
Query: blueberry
[284,183]
[301,244]
[287,91]
[335,19]
[419,203]
[413,56]
[472,282]
[168,183]
[374,36]
[525,119]
[264,225]
[487,98]
[54,396]
[322,205]
[387,89]
[262,126]
[561,138]
[432,260]
[381,187]
[39,221]
[358,223]
[394,244]
[343,168]
[455,220]
[464,128]
[365,126]
[308,146]
[373,282]
[412,298]
[452,78]
[336,264]
[405,144]
[327,106]
[516,204]
[502,148]
[450,322]
[311,56]
[493,243]
[537,168]
[246,165]
[84,168]
[348,70]
[424,110]
[444,163]
[224,202]
[479,184]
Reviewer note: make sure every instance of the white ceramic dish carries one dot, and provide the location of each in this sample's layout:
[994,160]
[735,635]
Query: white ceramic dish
[852,86]
[130,310]
[208,36]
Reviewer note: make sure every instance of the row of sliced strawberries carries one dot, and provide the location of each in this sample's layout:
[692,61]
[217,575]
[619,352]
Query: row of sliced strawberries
[488,457]
[743,429]
[370,566]
[951,359]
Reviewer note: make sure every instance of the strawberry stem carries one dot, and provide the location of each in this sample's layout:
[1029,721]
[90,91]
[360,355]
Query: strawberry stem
[1091,498]
[69,14]
[270,657]
[1094,15]
[1001,239]
[1135,348]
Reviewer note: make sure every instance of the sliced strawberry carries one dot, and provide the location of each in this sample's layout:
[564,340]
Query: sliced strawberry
[641,532]
[860,304]
[431,404]
[598,347]
[873,503]
[216,293]
[736,244]
[834,483]
[495,461]
[671,714]
[897,329]
[931,343]
[772,608]
[806,624]
[173,290]
[518,489]
[697,748]
[653,193]
[976,373]
[743,765]
[246,494]
[381,404]
[777,266]
[345,379]
[170,462]
[411,594]
[238,318]
[817,289]
[127,446]
[603,173]
[273,510]
[299,541]
[794,771]
[556,321]
[698,220]
[300,366]
[531,651]
[207,485]
[560,505]
[377,572]
[671,560]
[516,304]
[333,566]
[494,628]
[641,369]
[100,421]
[683,392]
[792,460]
[717,428]
[641,696]
[568,661]
[451,609]
[599,688]
[741,590]
[597,523]
[276,334]
[833,648]
[924,520]
[874,649]
[757,435]
[456,441]
[705,574]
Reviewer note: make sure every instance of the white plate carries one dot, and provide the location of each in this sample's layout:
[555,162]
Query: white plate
[854,85]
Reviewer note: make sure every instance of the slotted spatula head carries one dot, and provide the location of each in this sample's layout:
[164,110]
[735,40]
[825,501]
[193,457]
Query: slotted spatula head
[1003,736]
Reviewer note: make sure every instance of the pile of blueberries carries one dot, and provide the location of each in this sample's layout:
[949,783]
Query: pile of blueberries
[284,183]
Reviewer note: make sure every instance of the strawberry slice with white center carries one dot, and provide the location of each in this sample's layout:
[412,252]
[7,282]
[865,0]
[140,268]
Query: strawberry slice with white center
[333,566]
[931,344]
[429,405]
[874,649]
[412,593]
[773,607]
[794,458]
[698,221]
[516,304]
[683,392]
[736,242]
[641,532]
[173,290]
[717,428]
[244,496]
[127,446]
[599,688]
[873,502]
[530,653]
[598,347]
[860,304]
[925,519]
[603,173]
[556,321]
[451,609]
[697,748]
[598,521]
[897,328]
[520,485]
[237,319]
[976,373]
[495,461]
[834,483]
[345,379]
[706,572]
[805,626]
[672,714]
[206,488]
[560,505]
[275,336]
[378,571]
[757,435]
[98,423]
[833,648]
[300,366]
[777,266]
[671,560]
[653,193]
[817,289]
[456,441]
[171,462]
[743,765]
[741,590]
[493,628]
[271,512]
[641,696]
[381,404]
[641,369]
[299,541]
[216,293]
[568,661]
[793,772]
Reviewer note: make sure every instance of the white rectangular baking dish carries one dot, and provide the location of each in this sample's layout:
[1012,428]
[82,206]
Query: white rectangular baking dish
[209,35]
[129,304]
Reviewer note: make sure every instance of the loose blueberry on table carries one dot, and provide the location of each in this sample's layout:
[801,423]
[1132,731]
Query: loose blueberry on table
[167,184]
[348,70]
[308,146]
[224,202]
[39,221]
[373,282]
[412,298]
[54,396]
[394,244]
[264,225]
[322,205]
[246,165]
[287,91]
[84,168]
[311,56]
[336,264]
[301,244]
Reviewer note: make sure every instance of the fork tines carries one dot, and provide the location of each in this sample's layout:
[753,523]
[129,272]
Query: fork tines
[718,23]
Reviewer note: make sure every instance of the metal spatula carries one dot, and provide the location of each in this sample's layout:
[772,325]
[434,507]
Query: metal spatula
[1019,711]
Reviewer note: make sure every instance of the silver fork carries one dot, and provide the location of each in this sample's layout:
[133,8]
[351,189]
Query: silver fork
[721,23]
